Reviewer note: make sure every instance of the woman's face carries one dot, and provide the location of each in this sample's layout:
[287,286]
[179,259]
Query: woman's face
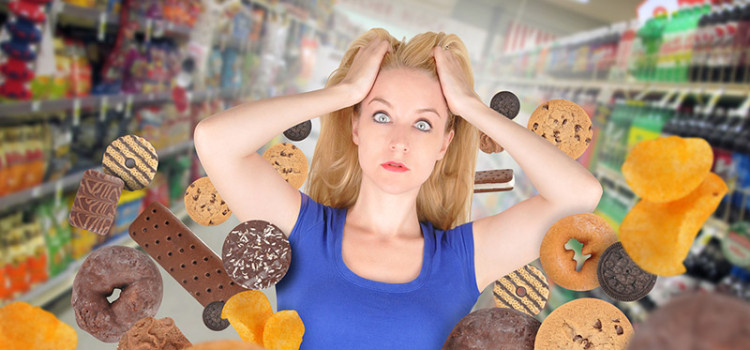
[401,130]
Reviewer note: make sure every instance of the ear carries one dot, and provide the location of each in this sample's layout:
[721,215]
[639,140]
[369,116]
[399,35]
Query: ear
[446,142]
[355,129]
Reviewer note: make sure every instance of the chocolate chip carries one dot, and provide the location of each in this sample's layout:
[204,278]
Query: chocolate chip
[536,125]
[598,325]
[586,344]
[616,320]
[619,329]
[283,154]
[577,338]
[195,197]
[565,121]
[545,107]
[578,128]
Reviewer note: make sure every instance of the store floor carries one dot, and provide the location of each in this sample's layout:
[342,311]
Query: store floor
[177,304]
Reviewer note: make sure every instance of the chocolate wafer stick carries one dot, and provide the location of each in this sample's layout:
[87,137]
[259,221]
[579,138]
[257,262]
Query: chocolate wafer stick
[493,180]
[179,251]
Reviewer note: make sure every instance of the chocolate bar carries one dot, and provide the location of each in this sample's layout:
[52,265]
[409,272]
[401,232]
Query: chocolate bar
[181,253]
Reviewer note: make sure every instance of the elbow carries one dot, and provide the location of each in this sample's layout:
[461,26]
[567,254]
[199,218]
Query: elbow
[589,197]
[201,136]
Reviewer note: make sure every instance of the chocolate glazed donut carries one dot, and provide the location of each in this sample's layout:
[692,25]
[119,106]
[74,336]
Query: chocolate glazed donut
[105,270]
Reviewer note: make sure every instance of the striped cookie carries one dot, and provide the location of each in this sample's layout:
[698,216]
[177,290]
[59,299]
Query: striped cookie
[95,205]
[133,159]
[525,290]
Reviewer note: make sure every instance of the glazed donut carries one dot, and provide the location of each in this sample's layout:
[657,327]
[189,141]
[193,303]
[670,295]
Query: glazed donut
[557,261]
[107,269]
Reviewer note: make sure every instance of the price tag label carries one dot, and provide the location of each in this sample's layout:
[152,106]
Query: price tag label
[36,191]
[715,96]
[103,106]
[76,112]
[102,26]
[58,191]
[36,106]
[128,106]
[149,29]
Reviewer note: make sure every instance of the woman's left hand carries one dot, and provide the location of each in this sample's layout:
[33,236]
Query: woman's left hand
[459,94]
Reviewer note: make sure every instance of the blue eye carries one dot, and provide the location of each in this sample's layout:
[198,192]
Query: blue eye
[423,125]
[381,117]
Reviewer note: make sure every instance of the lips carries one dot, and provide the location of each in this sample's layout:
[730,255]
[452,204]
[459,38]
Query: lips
[395,167]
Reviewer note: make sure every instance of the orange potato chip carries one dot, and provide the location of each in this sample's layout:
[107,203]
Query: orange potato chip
[667,168]
[23,326]
[283,331]
[247,312]
[658,236]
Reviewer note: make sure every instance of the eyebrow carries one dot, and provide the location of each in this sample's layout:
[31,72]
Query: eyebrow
[421,110]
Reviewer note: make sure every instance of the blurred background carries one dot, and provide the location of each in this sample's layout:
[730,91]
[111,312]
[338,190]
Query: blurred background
[76,74]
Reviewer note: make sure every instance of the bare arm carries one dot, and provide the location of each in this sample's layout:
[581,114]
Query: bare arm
[506,241]
[227,143]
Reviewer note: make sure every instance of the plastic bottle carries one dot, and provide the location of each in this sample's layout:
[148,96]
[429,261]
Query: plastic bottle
[689,31]
[742,45]
[666,59]
[698,60]
[728,59]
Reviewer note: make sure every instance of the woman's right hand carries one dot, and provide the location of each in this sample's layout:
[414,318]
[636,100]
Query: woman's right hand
[364,69]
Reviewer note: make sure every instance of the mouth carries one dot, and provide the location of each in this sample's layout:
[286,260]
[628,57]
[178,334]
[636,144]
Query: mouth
[395,167]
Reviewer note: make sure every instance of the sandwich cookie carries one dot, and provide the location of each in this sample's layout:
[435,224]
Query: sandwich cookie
[620,277]
[299,132]
[493,180]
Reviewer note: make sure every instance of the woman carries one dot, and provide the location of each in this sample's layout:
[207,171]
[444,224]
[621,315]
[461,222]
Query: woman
[384,255]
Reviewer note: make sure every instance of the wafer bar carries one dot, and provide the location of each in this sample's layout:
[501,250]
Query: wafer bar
[95,205]
[181,253]
[493,180]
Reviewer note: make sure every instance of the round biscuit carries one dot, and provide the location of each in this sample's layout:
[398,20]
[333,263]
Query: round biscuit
[289,162]
[204,204]
[584,323]
[564,124]
[133,159]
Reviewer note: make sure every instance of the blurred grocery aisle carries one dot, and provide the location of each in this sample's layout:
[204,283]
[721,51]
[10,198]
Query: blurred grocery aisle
[100,69]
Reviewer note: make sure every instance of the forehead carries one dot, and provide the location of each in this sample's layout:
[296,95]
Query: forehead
[409,89]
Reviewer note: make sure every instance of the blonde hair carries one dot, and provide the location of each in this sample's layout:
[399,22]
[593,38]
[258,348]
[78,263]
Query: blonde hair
[335,175]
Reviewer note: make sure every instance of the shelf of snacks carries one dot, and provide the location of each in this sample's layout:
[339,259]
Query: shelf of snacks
[105,102]
[71,181]
[53,288]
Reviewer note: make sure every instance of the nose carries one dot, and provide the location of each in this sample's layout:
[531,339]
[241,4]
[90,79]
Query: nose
[399,142]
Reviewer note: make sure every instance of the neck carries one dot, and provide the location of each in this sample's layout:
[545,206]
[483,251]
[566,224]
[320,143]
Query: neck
[385,215]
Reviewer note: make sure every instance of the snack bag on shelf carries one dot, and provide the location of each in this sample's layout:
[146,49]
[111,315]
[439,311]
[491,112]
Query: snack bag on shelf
[81,241]
[35,165]
[58,149]
[3,165]
[60,215]
[82,3]
[80,69]
[14,159]
[4,280]
[37,250]
[18,269]
[158,191]
[128,208]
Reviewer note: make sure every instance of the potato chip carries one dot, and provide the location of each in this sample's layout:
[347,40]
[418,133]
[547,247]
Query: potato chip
[667,168]
[24,326]
[283,331]
[658,236]
[247,312]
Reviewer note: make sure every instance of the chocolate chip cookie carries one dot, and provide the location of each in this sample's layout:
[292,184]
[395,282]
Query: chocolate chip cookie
[204,204]
[563,123]
[289,161]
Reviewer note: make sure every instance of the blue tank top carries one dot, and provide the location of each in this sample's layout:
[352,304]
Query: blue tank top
[342,310]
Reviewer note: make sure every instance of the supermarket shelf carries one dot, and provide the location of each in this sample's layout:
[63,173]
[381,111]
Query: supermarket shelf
[739,90]
[53,288]
[118,101]
[71,181]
